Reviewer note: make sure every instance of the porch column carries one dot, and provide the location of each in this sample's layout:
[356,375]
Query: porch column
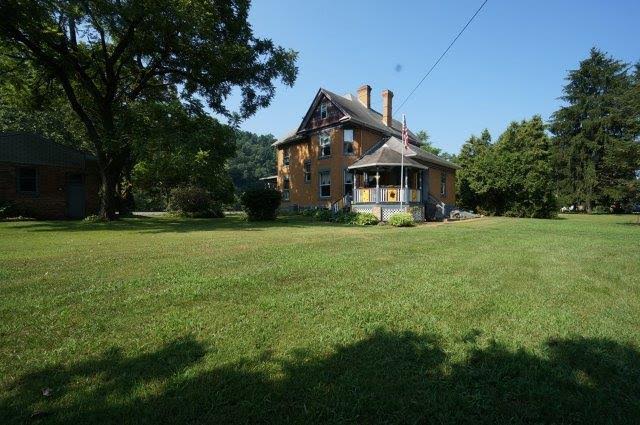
[404,191]
[377,187]
[353,189]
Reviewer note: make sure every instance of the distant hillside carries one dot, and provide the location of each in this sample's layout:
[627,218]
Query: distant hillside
[255,158]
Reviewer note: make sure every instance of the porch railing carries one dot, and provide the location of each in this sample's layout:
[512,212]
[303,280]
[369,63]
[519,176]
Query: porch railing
[386,195]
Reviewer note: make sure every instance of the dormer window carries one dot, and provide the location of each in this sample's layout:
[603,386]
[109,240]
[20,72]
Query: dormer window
[323,110]
[325,144]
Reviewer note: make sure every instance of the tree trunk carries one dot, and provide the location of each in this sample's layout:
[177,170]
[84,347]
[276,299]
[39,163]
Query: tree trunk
[108,193]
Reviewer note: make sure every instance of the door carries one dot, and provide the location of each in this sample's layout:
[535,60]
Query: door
[75,196]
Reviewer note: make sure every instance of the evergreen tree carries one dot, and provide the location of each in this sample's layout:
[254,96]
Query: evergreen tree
[596,143]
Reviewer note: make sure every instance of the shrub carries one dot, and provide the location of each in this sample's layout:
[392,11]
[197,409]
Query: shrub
[261,204]
[322,215]
[7,209]
[599,209]
[194,201]
[93,218]
[366,219]
[346,217]
[401,220]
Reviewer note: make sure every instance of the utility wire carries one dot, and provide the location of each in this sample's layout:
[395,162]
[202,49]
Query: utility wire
[442,55]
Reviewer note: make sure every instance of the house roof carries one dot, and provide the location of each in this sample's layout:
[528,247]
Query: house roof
[389,153]
[33,149]
[354,111]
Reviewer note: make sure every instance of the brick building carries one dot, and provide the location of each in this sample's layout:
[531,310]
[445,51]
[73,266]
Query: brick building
[345,154]
[46,180]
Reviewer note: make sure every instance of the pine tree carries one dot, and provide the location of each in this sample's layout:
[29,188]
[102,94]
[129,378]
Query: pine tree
[596,144]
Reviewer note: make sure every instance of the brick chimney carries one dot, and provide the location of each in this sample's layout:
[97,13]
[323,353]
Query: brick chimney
[387,108]
[364,95]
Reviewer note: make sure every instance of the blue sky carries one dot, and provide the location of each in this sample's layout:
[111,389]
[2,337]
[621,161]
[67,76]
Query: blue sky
[509,64]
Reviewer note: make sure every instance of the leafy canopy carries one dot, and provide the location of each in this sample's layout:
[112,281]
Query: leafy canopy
[109,55]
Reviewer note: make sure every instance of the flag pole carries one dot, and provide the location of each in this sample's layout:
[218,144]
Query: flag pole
[404,123]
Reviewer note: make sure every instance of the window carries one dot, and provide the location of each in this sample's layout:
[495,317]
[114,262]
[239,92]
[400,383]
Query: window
[28,180]
[325,184]
[307,171]
[323,111]
[348,182]
[325,144]
[347,141]
[286,185]
[443,183]
[286,156]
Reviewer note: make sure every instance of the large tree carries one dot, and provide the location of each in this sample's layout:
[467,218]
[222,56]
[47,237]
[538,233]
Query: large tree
[468,158]
[183,146]
[596,143]
[512,176]
[108,55]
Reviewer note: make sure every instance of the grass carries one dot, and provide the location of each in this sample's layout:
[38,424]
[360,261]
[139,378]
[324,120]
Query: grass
[162,320]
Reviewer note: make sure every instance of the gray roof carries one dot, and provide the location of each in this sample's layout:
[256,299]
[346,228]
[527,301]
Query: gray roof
[32,149]
[389,153]
[354,112]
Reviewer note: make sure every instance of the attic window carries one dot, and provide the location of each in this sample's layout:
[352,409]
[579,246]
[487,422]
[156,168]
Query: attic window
[323,110]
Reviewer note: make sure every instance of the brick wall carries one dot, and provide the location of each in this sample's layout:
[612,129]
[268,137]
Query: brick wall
[306,194]
[50,202]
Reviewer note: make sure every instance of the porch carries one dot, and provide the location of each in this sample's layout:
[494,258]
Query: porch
[377,190]
[386,194]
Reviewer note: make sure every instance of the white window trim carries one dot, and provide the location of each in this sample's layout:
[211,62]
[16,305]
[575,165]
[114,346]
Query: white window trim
[443,183]
[345,141]
[324,136]
[306,175]
[320,185]
[346,172]
[286,192]
[286,156]
[324,113]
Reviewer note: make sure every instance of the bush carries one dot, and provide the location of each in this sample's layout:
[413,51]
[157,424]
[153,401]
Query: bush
[599,209]
[322,215]
[401,220]
[7,209]
[261,204]
[93,218]
[346,217]
[194,201]
[366,219]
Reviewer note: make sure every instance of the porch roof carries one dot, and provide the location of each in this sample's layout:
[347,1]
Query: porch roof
[389,153]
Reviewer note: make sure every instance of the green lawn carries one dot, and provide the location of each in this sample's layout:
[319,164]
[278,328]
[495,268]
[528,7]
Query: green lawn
[181,321]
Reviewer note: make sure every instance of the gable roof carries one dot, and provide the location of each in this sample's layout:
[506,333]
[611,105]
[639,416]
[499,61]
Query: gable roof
[33,149]
[389,153]
[353,111]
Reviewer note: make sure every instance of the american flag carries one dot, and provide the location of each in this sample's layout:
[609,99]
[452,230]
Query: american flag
[405,132]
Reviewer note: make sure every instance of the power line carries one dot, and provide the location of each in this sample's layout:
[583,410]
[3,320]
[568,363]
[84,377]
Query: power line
[443,53]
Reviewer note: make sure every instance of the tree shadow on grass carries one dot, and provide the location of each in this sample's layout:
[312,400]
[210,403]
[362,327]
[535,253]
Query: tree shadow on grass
[386,377]
[168,225]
